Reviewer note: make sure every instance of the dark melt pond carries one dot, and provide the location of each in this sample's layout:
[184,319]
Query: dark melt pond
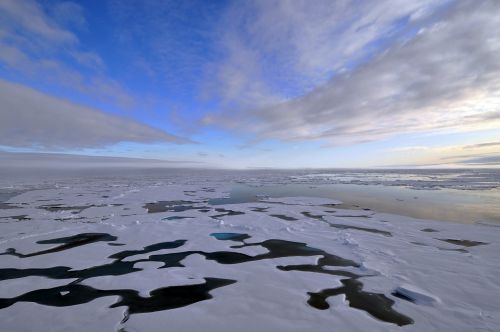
[76,292]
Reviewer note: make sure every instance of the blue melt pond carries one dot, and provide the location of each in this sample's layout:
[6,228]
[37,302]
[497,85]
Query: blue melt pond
[229,236]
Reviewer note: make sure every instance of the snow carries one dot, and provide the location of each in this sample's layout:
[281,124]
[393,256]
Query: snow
[437,284]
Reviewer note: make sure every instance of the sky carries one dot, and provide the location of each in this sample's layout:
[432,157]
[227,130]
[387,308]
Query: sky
[253,84]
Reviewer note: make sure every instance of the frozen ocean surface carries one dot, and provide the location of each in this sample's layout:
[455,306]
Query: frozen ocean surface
[155,250]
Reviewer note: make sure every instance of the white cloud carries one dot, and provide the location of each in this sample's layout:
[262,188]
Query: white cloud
[277,49]
[447,77]
[31,119]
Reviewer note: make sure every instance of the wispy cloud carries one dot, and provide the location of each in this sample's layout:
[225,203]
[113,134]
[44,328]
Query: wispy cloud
[278,49]
[482,145]
[36,42]
[29,17]
[170,40]
[67,13]
[29,118]
[444,76]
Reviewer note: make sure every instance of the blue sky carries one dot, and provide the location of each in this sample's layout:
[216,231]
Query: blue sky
[254,84]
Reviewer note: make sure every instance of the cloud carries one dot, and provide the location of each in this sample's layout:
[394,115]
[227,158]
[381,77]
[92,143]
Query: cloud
[16,160]
[88,59]
[482,145]
[444,76]
[29,17]
[29,118]
[485,161]
[37,43]
[68,13]
[276,49]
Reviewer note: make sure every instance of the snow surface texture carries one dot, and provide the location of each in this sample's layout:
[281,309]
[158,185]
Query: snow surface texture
[153,255]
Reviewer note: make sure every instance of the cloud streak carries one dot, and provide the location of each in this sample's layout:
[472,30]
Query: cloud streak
[482,145]
[483,160]
[29,118]
[10,160]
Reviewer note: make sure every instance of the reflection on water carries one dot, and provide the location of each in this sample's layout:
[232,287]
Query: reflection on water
[465,206]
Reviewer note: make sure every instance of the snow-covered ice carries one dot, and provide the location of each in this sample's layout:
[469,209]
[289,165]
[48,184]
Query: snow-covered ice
[145,254]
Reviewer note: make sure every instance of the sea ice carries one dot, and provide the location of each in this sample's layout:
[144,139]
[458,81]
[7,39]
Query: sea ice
[91,257]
